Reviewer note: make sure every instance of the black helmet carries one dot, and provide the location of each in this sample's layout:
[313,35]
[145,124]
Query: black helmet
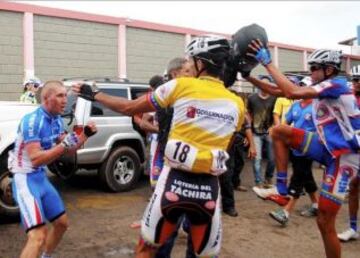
[211,49]
[240,41]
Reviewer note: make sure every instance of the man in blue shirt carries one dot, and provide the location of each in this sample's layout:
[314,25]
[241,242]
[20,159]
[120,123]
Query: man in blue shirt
[41,140]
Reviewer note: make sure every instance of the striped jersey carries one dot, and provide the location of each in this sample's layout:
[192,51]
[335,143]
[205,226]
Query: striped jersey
[205,117]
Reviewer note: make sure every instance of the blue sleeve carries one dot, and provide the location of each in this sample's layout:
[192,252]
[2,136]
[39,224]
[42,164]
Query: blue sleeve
[332,88]
[289,117]
[30,127]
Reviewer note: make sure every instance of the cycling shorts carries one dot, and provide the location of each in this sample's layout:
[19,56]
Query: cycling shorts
[37,198]
[179,193]
[339,171]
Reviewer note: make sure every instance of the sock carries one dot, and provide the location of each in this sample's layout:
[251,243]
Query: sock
[287,214]
[353,222]
[45,255]
[315,205]
[281,180]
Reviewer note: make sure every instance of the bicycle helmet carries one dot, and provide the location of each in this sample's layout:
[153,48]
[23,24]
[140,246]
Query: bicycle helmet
[326,57]
[240,44]
[208,48]
[355,72]
[33,80]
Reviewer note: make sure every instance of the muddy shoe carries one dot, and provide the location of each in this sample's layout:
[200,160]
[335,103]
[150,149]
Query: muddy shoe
[280,216]
[311,212]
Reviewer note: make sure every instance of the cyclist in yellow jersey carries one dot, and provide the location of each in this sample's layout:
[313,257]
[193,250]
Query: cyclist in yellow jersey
[205,116]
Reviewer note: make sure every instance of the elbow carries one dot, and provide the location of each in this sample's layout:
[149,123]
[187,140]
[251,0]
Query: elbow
[290,95]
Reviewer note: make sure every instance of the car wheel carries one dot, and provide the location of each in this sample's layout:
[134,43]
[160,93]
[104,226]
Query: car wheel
[8,205]
[121,170]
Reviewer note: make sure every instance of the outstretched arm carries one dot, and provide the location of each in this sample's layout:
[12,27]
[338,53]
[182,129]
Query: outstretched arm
[270,88]
[290,90]
[117,104]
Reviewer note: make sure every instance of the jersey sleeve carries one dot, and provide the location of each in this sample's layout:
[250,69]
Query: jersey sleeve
[331,88]
[30,128]
[164,95]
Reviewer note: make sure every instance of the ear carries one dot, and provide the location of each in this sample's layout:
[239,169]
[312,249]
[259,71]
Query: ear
[329,70]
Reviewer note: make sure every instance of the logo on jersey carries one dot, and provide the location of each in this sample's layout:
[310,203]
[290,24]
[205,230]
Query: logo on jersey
[191,112]
[322,112]
[307,116]
[329,180]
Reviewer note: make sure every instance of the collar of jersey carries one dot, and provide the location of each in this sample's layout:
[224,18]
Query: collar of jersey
[46,113]
[209,78]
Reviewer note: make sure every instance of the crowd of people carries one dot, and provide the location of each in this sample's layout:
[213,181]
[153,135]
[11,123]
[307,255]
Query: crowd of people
[200,132]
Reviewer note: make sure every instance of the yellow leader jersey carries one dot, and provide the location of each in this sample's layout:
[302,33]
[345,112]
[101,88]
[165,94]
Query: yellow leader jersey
[205,117]
[282,106]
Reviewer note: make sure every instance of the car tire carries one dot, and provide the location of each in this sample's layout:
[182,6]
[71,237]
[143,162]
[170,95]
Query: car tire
[121,170]
[8,206]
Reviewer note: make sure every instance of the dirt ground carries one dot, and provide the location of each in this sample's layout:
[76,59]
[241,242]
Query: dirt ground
[100,225]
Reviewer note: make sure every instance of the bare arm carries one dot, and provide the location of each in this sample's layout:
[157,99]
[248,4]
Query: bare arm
[269,88]
[276,119]
[250,139]
[40,157]
[125,106]
[290,90]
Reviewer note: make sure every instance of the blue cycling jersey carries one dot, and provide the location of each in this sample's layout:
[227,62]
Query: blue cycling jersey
[38,126]
[337,116]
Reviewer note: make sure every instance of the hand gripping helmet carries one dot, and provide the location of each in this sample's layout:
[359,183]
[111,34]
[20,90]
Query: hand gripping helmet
[326,57]
[211,49]
[240,42]
[355,72]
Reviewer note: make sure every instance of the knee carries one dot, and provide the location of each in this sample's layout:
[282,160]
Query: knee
[37,237]
[61,224]
[276,131]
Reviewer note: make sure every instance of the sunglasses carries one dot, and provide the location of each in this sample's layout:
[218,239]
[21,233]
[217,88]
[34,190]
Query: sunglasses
[314,68]
[355,79]
[36,85]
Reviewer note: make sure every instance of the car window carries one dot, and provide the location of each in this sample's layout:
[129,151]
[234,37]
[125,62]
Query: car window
[138,92]
[99,110]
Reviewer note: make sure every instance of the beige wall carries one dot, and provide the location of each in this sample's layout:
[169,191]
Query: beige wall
[72,48]
[11,55]
[148,52]
[290,60]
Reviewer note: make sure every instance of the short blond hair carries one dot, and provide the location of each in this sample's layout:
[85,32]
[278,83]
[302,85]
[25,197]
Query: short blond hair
[49,88]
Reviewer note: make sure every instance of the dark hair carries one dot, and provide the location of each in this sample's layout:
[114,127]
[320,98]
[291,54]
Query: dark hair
[156,81]
[215,67]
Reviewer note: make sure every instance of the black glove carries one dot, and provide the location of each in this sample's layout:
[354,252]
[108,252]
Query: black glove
[86,92]
[88,132]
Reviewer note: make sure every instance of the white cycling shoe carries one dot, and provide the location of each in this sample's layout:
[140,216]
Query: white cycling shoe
[348,235]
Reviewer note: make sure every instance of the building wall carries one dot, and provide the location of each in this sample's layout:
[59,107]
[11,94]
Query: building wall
[290,60]
[73,48]
[149,51]
[354,62]
[11,55]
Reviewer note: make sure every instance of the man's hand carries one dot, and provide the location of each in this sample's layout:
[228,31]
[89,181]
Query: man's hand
[85,91]
[260,52]
[90,129]
[70,141]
